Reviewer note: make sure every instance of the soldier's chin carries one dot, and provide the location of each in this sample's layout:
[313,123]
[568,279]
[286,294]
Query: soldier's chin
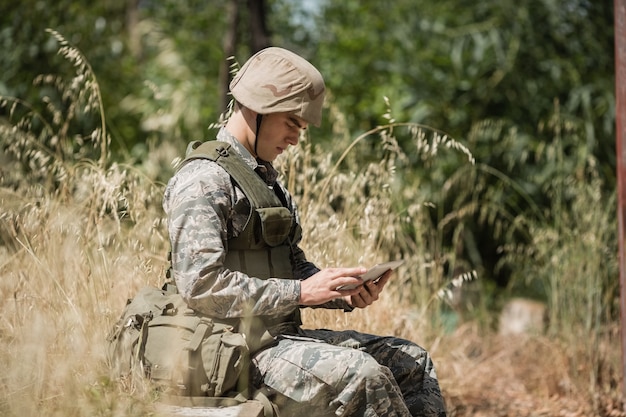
[274,155]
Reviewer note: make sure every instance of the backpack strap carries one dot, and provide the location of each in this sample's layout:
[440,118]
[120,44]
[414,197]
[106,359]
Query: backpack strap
[262,395]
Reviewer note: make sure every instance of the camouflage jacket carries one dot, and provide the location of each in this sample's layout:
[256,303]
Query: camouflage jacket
[198,202]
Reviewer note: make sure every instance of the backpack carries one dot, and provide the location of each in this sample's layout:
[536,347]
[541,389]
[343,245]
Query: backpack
[192,359]
[196,361]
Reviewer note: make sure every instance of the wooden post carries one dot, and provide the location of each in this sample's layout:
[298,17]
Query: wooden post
[620,142]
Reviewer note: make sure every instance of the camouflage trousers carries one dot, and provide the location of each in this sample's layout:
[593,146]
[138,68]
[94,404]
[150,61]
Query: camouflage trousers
[347,373]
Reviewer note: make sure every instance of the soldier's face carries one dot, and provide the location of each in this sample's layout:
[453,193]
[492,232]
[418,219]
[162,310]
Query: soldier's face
[278,131]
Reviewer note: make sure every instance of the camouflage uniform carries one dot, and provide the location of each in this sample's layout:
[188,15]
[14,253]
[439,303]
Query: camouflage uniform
[334,373]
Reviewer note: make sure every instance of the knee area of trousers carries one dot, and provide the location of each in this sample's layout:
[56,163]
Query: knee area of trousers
[368,370]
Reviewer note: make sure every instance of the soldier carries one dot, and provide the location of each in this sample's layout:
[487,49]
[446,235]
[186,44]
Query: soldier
[235,258]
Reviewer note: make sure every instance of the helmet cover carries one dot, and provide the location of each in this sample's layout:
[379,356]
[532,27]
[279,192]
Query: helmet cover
[277,80]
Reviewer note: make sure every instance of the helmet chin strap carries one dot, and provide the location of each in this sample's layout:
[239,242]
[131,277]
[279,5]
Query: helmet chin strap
[259,118]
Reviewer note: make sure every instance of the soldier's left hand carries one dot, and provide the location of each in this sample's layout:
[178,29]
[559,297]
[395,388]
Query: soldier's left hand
[370,291]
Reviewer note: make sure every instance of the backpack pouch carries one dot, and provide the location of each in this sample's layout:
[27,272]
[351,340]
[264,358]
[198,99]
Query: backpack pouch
[225,357]
[183,352]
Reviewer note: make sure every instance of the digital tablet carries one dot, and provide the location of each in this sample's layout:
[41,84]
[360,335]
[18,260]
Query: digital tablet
[374,273]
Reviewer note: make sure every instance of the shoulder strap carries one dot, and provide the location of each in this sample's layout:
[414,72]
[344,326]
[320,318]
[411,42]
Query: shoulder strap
[257,191]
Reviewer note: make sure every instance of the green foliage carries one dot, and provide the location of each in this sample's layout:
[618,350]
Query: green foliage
[158,81]
[450,64]
[181,52]
[97,29]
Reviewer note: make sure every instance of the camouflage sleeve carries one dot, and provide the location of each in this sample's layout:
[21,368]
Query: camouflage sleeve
[198,203]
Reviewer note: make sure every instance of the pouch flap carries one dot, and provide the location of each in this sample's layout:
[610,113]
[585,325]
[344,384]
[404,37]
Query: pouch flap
[276,224]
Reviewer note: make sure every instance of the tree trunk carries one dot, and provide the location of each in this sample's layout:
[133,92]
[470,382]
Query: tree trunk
[259,35]
[229,45]
[259,38]
[132,21]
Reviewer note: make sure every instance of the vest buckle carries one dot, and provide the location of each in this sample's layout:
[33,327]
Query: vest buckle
[222,151]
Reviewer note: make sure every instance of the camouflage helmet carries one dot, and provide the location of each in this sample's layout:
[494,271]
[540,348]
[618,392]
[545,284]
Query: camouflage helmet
[276,80]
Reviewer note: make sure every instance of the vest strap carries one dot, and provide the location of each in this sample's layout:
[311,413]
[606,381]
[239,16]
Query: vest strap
[257,191]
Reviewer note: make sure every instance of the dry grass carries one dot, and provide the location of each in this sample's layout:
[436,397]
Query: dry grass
[69,261]
[67,267]
[61,293]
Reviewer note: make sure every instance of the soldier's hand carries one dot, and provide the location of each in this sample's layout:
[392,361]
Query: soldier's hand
[369,292]
[325,285]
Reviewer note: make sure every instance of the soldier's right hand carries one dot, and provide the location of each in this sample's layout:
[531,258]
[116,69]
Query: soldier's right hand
[324,286]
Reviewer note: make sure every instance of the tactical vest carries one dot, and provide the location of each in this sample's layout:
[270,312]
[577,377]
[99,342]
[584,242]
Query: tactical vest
[263,248]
